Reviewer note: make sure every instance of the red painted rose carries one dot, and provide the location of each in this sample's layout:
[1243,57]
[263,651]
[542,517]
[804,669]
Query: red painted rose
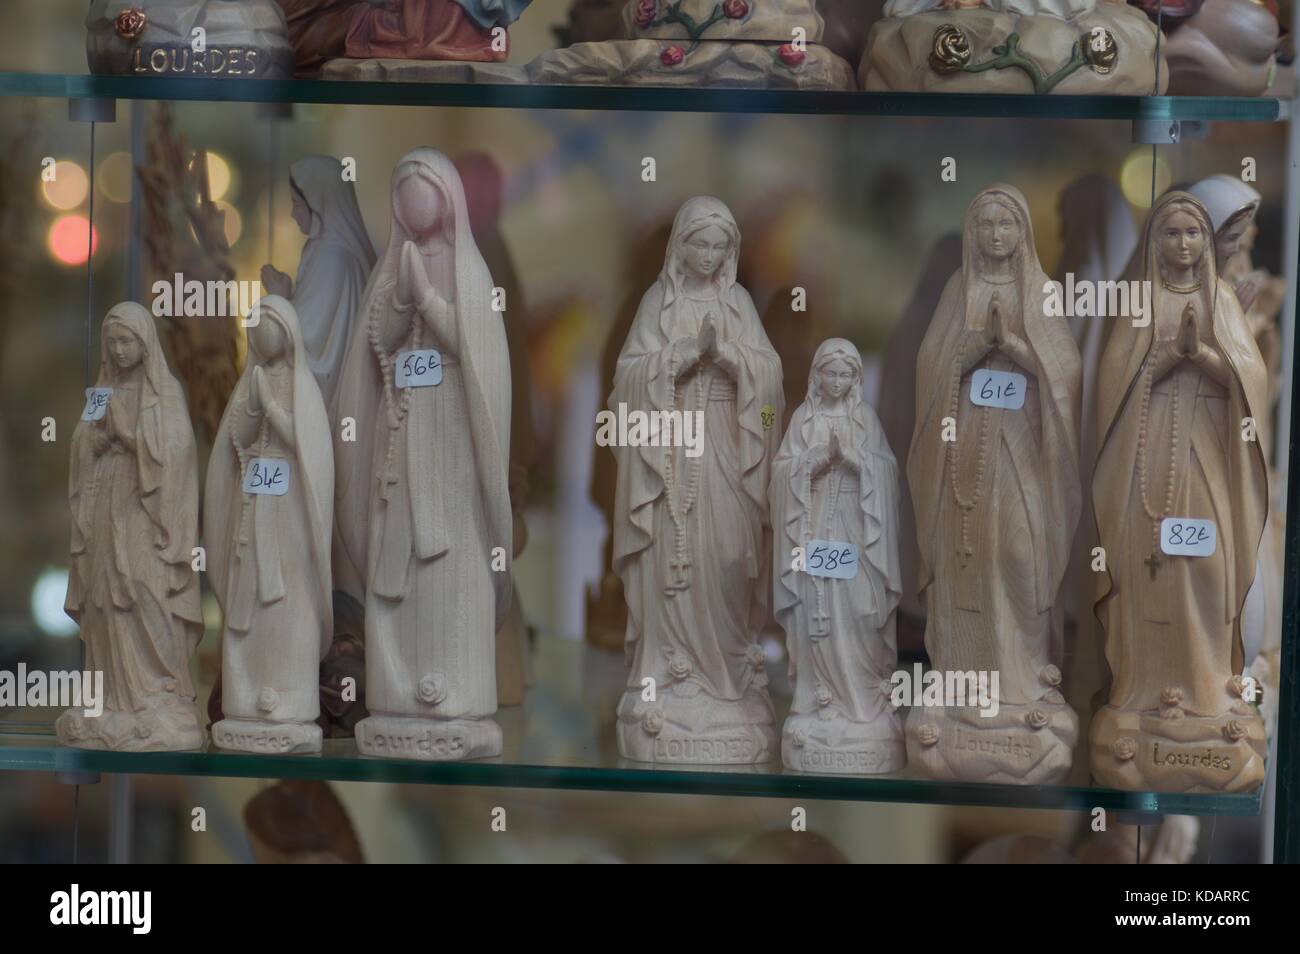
[645,12]
[790,56]
[672,56]
[735,9]
[130,23]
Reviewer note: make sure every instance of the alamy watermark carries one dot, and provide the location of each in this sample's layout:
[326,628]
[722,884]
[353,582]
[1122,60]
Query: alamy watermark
[1090,299]
[651,429]
[63,689]
[179,298]
[948,689]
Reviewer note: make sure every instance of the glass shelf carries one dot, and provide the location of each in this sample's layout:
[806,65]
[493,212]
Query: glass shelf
[563,738]
[1185,108]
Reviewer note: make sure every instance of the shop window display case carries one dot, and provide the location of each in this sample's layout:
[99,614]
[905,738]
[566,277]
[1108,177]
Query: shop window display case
[852,209]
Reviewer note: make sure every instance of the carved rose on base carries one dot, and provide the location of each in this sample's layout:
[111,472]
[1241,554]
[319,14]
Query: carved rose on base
[679,667]
[1100,51]
[672,56]
[928,735]
[646,11]
[653,721]
[790,55]
[1124,748]
[1036,718]
[432,689]
[735,9]
[1234,731]
[1050,675]
[267,700]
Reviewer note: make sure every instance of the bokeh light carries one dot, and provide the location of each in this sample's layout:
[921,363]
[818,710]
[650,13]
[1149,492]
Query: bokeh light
[48,594]
[1135,177]
[69,187]
[234,222]
[67,239]
[113,177]
[220,176]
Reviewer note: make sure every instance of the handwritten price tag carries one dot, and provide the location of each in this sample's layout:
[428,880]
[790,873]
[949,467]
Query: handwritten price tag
[419,369]
[998,389]
[833,559]
[267,475]
[96,404]
[1185,536]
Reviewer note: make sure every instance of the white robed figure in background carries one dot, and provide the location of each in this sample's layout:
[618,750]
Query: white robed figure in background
[269,554]
[335,264]
[835,479]
[692,537]
[421,495]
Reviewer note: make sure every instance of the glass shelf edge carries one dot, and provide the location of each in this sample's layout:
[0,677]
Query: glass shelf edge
[640,780]
[798,102]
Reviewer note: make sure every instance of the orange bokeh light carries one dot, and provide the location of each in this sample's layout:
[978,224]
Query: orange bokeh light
[67,239]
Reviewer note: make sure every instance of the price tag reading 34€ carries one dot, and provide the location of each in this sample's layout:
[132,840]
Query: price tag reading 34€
[1186,536]
[419,369]
[267,475]
[990,388]
[831,558]
[96,404]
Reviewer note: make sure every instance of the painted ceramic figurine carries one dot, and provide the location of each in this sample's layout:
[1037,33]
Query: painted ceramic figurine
[133,586]
[834,499]
[994,474]
[692,539]
[1218,47]
[1181,495]
[267,520]
[421,494]
[1011,46]
[433,30]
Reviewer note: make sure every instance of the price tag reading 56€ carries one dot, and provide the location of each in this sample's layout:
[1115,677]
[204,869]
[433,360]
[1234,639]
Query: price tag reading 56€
[990,388]
[831,558]
[96,403]
[267,475]
[1186,536]
[419,369]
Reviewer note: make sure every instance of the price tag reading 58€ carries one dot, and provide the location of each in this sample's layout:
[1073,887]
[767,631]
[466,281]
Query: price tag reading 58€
[831,558]
[990,388]
[419,369]
[1186,536]
[96,403]
[267,475]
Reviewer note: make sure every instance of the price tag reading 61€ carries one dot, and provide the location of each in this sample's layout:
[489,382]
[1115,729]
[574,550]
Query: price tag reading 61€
[419,369]
[267,475]
[831,558]
[990,388]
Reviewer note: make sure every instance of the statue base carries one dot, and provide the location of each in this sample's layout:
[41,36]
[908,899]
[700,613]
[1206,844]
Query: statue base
[1023,744]
[1144,751]
[170,728]
[267,738]
[697,729]
[839,746]
[1051,55]
[428,740]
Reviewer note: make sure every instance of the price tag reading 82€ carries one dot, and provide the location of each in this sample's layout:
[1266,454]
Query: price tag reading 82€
[419,369]
[1186,536]
[96,404]
[831,558]
[989,388]
[267,475]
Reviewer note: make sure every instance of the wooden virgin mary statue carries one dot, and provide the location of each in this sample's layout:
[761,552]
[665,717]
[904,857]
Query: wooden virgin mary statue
[267,521]
[994,474]
[1181,495]
[692,537]
[133,585]
[421,495]
[835,490]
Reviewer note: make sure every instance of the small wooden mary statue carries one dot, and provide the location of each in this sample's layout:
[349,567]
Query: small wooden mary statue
[835,519]
[133,585]
[267,519]
[994,474]
[1181,492]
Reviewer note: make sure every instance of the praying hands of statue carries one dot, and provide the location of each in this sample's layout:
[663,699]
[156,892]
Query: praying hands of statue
[436,310]
[277,282]
[707,340]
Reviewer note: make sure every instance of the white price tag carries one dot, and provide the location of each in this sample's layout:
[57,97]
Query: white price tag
[267,475]
[1186,536]
[831,558]
[419,369]
[96,404]
[990,388]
